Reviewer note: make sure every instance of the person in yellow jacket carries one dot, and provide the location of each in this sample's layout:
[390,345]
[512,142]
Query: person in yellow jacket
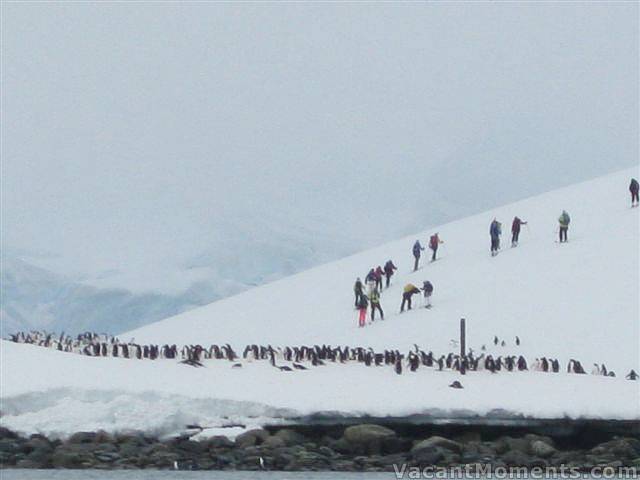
[375,304]
[409,290]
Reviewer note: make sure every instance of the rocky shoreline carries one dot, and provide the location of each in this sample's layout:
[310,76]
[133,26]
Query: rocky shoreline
[365,447]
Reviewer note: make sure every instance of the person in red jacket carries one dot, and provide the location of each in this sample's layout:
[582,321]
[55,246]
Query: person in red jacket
[378,276]
[434,241]
[515,230]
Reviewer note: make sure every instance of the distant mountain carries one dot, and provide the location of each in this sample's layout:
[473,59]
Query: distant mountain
[34,298]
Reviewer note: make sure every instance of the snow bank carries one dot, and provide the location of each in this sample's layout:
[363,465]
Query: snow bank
[60,393]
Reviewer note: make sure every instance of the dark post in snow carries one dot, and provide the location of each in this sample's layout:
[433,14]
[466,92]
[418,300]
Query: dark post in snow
[463,348]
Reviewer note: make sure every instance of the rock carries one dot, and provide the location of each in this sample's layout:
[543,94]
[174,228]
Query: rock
[103,437]
[81,437]
[5,433]
[506,444]
[273,442]
[191,446]
[63,458]
[219,442]
[107,456]
[532,437]
[366,433]
[542,449]
[516,458]
[308,461]
[135,437]
[394,445]
[427,455]
[290,437]
[621,447]
[326,451]
[29,463]
[365,439]
[342,446]
[252,437]
[10,445]
[437,441]
[39,443]
[468,437]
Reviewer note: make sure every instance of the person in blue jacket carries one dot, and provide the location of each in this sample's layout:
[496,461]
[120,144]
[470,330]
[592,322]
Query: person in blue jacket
[417,249]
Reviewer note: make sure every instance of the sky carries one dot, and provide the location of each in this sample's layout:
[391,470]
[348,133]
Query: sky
[151,145]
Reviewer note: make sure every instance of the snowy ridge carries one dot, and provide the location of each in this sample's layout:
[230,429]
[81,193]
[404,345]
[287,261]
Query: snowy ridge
[578,300]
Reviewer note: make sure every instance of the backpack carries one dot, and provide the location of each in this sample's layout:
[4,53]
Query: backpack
[364,303]
[433,241]
[416,248]
[427,286]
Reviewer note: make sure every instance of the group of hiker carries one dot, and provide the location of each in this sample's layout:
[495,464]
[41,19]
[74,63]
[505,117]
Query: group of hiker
[495,230]
[434,242]
[367,294]
[373,280]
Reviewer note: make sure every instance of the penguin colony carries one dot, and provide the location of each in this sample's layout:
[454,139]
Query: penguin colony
[295,358]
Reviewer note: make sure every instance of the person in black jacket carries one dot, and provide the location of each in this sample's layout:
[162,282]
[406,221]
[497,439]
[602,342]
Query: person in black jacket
[633,188]
[357,290]
[515,230]
[389,268]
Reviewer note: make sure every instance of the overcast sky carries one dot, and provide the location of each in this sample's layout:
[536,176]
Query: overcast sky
[135,134]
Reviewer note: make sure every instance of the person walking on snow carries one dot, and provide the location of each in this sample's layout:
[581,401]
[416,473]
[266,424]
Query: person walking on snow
[409,291]
[362,309]
[495,230]
[564,221]
[427,288]
[634,188]
[378,278]
[357,290]
[417,248]
[389,268]
[370,281]
[515,230]
[434,241]
[375,304]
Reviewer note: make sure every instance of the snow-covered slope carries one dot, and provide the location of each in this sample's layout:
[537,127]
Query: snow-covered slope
[576,300]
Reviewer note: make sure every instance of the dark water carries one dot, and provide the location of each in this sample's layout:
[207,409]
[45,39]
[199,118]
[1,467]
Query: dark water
[196,475]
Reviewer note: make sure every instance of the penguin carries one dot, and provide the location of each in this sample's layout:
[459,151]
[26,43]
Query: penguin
[517,341]
[456,384]
[398,366]
[414,362]
[522,363]
[495,340]
[544,364]
[299,367]
[632,375]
